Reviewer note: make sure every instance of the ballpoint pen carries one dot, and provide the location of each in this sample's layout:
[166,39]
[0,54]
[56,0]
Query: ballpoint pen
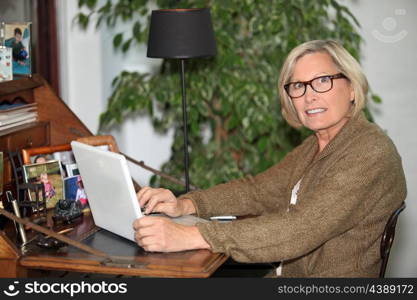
[16,210]
[223,218]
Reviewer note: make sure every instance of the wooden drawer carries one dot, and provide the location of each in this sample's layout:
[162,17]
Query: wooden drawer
[27,136]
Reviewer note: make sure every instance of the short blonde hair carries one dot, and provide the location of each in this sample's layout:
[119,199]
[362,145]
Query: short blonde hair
[344,62]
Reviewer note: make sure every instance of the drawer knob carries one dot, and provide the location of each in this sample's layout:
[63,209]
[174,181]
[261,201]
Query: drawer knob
[29,141]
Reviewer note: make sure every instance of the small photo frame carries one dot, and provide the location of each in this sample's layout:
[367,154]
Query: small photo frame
[18,37]
[70,188]
[74,190]
[47,153]
[50,174]
[72,170]
[41,158]
[6,69]
[103,142]
[66,157]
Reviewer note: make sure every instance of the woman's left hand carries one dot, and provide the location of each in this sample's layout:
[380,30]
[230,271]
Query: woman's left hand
[160,234]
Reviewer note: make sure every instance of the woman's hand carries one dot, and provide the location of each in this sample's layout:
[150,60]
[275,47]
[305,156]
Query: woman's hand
[164,201]
[160,234]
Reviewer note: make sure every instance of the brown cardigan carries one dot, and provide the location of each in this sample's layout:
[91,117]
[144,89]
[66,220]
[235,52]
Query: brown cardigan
[347,194]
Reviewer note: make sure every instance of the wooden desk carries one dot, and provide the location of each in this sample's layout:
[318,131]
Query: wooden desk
[126,258]
[59,125]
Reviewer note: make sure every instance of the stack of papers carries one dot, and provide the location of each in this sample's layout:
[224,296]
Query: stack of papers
[12,115]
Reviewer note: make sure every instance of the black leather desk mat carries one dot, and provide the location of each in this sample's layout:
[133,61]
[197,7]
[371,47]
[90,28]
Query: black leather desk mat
[111,244]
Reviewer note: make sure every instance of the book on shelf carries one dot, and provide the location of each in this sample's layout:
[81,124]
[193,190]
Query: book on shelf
[18,113]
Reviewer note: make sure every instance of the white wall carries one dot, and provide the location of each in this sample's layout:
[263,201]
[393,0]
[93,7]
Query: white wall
[390,62]
[80,66]
[88,64]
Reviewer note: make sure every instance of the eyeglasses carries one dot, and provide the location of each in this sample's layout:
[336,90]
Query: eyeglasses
[320,84]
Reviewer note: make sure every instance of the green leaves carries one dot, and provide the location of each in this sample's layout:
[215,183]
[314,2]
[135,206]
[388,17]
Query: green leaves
[235,123]
[126,45]
[117,40]
[82,20]
[376,98]
[137,33]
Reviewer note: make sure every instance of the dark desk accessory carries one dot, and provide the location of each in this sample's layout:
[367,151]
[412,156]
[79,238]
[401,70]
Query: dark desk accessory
[36,208]
[67,210]
[53,234]
[29,206]
[46,241]
[18,173]
[49,242]
[19,227]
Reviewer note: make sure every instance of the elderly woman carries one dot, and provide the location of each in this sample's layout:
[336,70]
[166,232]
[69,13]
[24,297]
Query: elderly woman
[321,210]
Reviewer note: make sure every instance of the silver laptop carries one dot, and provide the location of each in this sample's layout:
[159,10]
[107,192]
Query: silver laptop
[110,192]
[109,189]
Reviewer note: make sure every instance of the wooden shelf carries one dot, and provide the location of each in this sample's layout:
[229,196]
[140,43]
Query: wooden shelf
[20,84]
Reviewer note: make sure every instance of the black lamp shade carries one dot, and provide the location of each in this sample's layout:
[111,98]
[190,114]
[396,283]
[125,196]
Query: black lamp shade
[181,33]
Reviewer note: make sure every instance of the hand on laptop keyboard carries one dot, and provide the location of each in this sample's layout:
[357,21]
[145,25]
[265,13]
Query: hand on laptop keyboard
[164,201]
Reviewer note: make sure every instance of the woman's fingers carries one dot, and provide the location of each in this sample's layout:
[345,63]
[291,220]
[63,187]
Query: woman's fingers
[152,202]
[147,230]
[139,195]
[146,195]
[150,198]
[141,191]
[147,243]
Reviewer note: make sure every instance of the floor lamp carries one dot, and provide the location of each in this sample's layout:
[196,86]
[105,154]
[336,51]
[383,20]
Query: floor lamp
[182,34]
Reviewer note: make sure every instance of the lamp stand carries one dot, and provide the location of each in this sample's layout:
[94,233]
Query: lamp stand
[185,124]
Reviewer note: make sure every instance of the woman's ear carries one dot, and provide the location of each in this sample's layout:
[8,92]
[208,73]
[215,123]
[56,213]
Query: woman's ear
[352,93]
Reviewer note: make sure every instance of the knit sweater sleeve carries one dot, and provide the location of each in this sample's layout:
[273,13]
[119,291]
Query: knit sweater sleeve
[266,191]
[343,196]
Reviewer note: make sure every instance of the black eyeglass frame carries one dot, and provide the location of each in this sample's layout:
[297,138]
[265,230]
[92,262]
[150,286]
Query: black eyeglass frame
[306,83]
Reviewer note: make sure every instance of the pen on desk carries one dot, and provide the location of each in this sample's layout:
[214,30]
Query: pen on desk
[66,230]
[223,218]
[62,231]
[16,210]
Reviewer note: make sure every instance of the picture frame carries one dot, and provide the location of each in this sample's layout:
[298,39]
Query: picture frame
[70,187]
[100,140]
[72,170]
[6,68]
[74,191]
[18,36]
[29,155]
[66,157]
[63,154]
[50,175]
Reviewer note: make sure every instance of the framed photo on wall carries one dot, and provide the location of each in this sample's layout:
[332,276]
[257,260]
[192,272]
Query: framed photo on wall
[18,38]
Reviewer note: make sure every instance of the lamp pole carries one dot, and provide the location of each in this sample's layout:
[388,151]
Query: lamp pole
[182,34]
[185,127]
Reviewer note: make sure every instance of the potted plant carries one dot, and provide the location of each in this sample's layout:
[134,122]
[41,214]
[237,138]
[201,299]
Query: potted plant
[235,123]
